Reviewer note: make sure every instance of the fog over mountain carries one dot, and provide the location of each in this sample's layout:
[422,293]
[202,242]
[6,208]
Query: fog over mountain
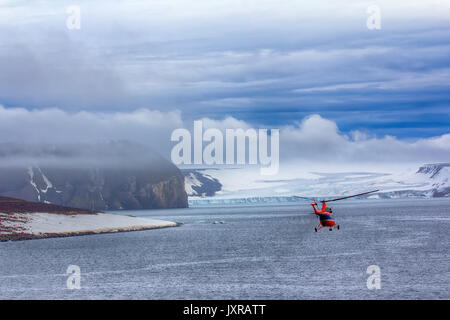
[119,154]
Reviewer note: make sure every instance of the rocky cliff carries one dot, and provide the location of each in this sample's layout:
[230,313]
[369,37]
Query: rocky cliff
[95,188]
[133,180]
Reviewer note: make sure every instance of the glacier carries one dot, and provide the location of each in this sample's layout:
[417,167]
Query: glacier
[240,185]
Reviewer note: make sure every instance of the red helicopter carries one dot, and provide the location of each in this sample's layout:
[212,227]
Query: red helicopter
[326,213]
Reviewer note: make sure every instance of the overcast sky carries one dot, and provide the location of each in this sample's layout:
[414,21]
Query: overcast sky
[137,69]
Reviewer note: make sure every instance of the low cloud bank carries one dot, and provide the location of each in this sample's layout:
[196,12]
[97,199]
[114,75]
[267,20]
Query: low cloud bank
[319,139]
[59,137]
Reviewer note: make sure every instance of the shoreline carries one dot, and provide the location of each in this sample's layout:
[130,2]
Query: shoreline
[24,237]
[30,226]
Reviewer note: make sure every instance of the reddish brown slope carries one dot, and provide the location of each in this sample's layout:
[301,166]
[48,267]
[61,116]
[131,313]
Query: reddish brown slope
[12,205]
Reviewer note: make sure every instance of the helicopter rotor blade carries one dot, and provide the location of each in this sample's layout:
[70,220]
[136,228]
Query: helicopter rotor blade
[306,198]
[355,195]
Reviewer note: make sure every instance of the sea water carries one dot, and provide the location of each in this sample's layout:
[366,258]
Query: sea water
[247,252]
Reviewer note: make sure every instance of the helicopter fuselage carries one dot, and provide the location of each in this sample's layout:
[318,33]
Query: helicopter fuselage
[325,217]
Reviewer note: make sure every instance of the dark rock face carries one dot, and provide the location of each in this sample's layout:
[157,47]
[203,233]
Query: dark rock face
[445,192]
[200,184]
[160,186]
[432,169]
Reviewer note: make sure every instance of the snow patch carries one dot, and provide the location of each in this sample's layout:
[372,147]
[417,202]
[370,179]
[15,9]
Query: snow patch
[47,182]
[190,181]
[57,223]
[31,174]
[62,224]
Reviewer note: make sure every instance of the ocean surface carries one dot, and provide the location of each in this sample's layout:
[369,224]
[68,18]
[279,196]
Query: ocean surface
[258,252]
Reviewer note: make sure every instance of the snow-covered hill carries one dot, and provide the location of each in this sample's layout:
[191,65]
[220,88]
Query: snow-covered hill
[439,176]
[243,185]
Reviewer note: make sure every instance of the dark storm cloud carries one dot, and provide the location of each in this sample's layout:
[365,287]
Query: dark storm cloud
[56,72]
[114,154]
[58,127]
